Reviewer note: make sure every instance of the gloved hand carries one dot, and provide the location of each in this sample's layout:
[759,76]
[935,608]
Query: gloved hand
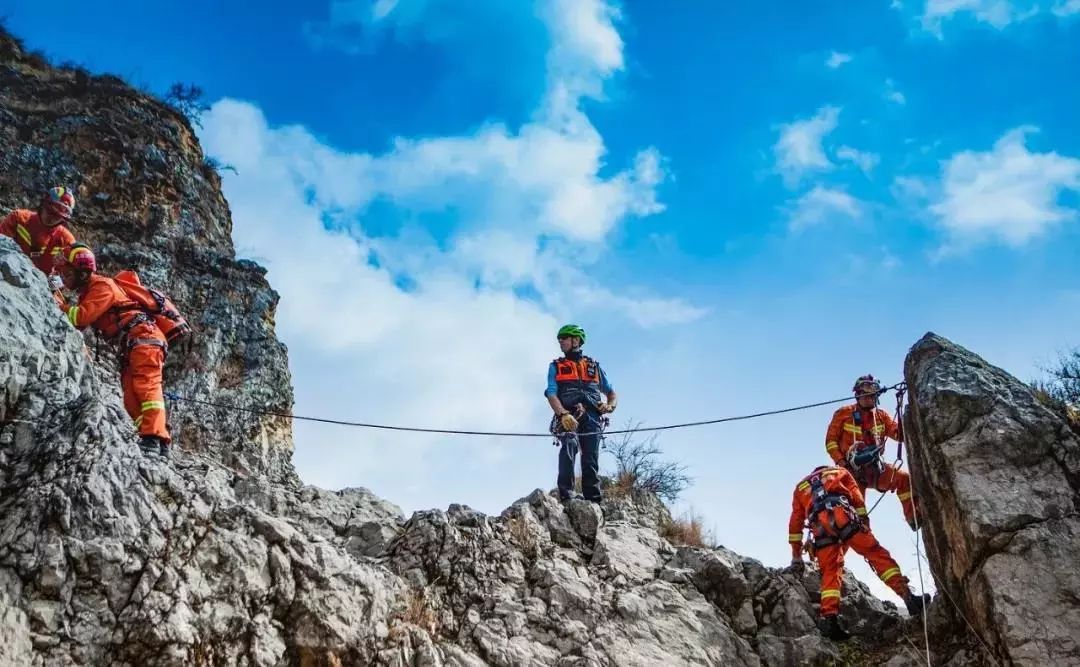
[567,421]
[607,408]
[56,282]
[797,566]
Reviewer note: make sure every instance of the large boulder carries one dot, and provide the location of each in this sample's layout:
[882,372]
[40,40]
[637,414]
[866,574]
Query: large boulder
[998,475]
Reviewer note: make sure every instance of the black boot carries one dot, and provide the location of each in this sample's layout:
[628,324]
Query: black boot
[831,629]
[917,604]
[150,445]
[165,450]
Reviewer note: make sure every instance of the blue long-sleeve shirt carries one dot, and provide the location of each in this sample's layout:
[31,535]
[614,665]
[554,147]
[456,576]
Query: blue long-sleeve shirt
[553,387]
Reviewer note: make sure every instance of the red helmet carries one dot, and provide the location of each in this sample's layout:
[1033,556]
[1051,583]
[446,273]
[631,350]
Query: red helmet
[866,380]
[78,256]
[60,202]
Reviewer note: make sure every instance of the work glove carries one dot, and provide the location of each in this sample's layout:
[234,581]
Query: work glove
[567,421]
[56,283]
[607,408]
[797,566]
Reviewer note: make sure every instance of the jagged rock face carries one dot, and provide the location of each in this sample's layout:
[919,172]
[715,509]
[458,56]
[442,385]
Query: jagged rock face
[108,557]
[999,476]
[147,201]
[220,556]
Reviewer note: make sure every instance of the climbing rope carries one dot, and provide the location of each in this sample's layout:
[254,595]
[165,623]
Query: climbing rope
[922,588]
[505,434]
[900,388]
[971,627]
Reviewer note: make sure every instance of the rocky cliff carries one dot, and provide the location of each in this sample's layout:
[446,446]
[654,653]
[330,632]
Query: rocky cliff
[1000,474]
[107,557]
[222,557]
[148,200]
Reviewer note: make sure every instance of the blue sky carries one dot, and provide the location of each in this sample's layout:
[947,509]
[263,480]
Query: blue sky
[746,207]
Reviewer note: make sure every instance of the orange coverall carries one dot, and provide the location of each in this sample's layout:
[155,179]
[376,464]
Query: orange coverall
[831,558]
[103,305]
[42,244]
[873,427]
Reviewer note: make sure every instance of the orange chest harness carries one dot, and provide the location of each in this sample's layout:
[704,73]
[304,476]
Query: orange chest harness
[577,370]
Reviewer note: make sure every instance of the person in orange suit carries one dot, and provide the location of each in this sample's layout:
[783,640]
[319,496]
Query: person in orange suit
[856,440]
[103,305]
[830,503]
[41,234]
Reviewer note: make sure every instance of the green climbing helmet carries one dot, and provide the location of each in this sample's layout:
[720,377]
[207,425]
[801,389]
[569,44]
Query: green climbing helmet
[572,330]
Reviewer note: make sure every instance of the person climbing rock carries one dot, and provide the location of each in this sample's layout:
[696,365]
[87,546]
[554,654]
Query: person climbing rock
[41,234]
[830,503]
[104,305]
[579,394]
[856,440]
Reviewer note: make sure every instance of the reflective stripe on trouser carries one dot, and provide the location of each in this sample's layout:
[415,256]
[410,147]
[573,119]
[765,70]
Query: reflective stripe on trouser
[143,397]
[894,479]
[831,561]
[589,446]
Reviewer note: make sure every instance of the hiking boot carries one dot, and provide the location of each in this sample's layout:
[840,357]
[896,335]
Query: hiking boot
[917,604]
[165,450]
[150,445]
[831,629]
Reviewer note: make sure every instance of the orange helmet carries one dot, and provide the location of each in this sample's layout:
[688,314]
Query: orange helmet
[78,256]
[60,202]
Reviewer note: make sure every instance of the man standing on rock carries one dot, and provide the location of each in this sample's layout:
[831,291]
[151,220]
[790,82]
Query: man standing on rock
[829,501]
[856,440]
[104,305]
[579,393]
[41,234]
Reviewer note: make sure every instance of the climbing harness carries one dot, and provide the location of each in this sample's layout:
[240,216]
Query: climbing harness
[561,435]
[832,518]
[156,306]
[864,456]
[504,434]
[901,390]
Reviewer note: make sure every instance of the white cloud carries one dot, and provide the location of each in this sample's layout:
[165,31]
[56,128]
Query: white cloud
[837,60]
[799,149]
[586,46]
[911,190]
[382,8]
[822,205]
[1067,8]
[892,94]
[997,13]
[1008,193]
[406,320]
[864,160]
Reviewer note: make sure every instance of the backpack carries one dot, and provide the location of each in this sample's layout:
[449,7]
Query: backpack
[157,305]
[832,518]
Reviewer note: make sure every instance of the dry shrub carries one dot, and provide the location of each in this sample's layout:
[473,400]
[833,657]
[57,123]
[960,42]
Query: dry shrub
[622,486]
[418,612]
[639,467]
[522,534]
[688,530]
[1059,390]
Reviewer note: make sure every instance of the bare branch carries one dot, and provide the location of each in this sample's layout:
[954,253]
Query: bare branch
[187,99]
[639,466]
